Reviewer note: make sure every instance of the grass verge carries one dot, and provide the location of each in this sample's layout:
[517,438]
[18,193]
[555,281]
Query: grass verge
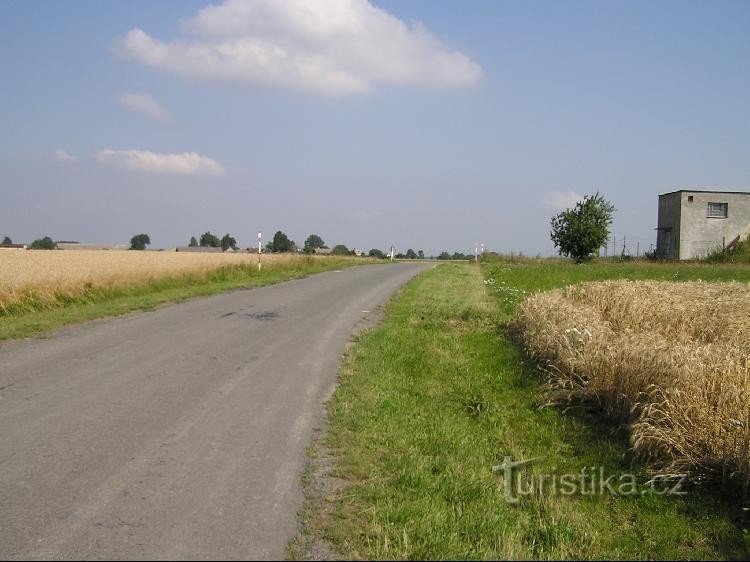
[100,302]
[437,395]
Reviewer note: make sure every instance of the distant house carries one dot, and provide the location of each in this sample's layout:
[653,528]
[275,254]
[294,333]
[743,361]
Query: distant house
[693,224]
[12,246]
[323,251]
[77,246]
[358,252]
[198,249]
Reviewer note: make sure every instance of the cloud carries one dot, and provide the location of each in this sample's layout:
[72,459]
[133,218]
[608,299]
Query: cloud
[61,156]
[333,47]
[186,163]
[561,200]
[143,104]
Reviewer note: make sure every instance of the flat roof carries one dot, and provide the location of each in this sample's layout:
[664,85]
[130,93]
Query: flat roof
[706,191]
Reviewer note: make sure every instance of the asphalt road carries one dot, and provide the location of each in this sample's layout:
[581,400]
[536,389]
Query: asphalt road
[177,433]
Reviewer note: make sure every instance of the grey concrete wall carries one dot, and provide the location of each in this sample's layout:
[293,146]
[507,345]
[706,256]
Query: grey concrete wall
[699,234]
[668,232]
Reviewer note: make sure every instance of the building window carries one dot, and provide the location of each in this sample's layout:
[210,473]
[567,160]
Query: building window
[718,210]
[690,198]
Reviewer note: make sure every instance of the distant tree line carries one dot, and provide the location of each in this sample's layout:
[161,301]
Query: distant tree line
[454,256]
[280,243]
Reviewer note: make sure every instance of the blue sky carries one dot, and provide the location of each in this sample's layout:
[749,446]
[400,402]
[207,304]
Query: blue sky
[476,124]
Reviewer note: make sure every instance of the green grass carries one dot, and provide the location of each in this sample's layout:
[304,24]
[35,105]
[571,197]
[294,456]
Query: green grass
[738,254]
[434,397]
[32,319]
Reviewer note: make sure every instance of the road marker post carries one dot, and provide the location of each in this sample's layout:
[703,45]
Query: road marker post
[260,249]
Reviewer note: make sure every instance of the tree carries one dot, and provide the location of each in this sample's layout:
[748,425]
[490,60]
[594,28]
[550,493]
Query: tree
[193,242]
[281,243]
[375,253]
[340,250]
[139,242]
[45,243]
[6,241]
[411,254]
[420,254]
[228,242]
[581,231]
[312,243]
[444,256]
[209,240]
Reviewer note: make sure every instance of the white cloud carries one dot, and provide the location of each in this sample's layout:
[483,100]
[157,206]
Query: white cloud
[61,156]
[185,163]
[143,104]
[334,47]
[561,200]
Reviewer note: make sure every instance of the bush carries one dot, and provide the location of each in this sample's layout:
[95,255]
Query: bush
[581,231]
[45,243]
[139,242]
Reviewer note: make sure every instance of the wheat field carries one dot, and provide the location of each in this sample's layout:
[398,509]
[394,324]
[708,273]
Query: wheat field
[671,360]
[31,279]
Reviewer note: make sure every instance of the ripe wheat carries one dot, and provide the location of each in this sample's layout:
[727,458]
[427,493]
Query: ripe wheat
[670,359]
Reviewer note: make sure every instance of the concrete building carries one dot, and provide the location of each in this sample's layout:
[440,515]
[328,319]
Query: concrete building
[199,249]
[694,223]
[77,246]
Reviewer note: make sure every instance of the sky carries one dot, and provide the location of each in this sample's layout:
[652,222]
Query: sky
[422,124]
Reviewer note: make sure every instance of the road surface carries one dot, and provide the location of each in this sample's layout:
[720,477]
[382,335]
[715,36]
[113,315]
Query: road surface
[177,433]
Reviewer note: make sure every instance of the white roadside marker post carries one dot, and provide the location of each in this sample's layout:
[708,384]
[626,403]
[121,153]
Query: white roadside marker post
[260,249]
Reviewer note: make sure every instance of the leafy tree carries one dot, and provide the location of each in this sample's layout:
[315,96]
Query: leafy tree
[312,243]
[209,240]
[228,242]
[6,241]
[411,254]
[375,253]
[420,254]
[340,250]
[281,243]
[139,242]
[45,243]
[444,256]
[193,242]
[581,231]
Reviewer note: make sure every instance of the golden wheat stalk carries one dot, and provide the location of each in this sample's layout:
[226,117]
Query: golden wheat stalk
[670,359]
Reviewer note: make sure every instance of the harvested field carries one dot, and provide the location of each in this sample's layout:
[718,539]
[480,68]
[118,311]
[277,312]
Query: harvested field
[31,280]
[670,359]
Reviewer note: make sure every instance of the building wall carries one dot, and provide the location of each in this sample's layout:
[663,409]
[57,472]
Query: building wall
[699,234]
[199,249]
[69,246]
[668,231]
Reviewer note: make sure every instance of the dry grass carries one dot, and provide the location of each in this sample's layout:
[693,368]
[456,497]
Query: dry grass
[671,359]
[31,279]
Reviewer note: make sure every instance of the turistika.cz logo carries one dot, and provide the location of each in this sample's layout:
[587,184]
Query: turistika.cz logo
[589,481]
